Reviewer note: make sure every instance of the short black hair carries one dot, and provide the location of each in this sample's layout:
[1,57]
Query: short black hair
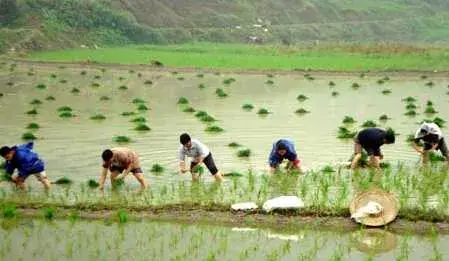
[281,146]
[5,150]
[390,136]
[184,138]
[107,155]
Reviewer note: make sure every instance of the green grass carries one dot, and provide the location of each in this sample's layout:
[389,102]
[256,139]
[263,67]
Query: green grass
[241,56]
[386,92]
[221,93]
[355,85]
[36,102]
[331,83]
[66,114]
[121,139]
[32,112]
[228,81]
[142,127]
[411,106]
[98,117]
[128,113]
[411,113]
[430,110]
[63,181]
[139,120]
[91,183]
[28,136]
[189,110]
[142,107]
[247,106]
[48,213]
[263,111]
[33,126]
[138,101]
[104,98]
[335,94]
[384,117]
[369,124]
[348,120]
[157,168]
[302,97]
[345,133]
[409,99]
[9,211]
[214,129]
[244,153]
[183,100]
[41,86]
[301,111]
[234,145]
[75,90]
[64,109]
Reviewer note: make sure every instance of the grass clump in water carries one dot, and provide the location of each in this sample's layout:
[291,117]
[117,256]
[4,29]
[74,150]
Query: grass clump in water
[28,136]
[50,98]
[228,81]
[157,168]
[244,153]
[247,106]
[93,183]
[234,145]
[36,102]
[142,127]
[83,73]
[434,157]
[180,78]
[183,100]
[411,113]
[369,124]
[64,108]
[302,111]
[269,82]
[95,85]
[189,110]
[142,107]
[410,106]
[331,83]
[9,211]
[430,84]
[386,92]
[121,139]
[66,114]
[221,93]
[328,169]
[49,213]
[104,98]
[123,87]
[200,75]
[348,120]
[75,90]
[128,113]
[98,117]
[437,120]
[409,99]
[384,117]
[63,181]
[302,97]
[201,86]
[263,111]
[33,126]
[335,94]
[63,81]
[41,86]
[429,103]
[201,114]
[138,101]
[380,81]
[430,110]
[207,118]
[122,216]
[355,86]
[148,82]
[139,120]
[345,133]
[424,76]
[214,129]
[32,112]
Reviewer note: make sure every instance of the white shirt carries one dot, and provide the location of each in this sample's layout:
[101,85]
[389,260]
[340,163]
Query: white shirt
[197,149]
[429,128]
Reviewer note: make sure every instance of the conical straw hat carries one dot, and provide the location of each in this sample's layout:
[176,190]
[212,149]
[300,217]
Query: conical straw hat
[388,201]
[373,241]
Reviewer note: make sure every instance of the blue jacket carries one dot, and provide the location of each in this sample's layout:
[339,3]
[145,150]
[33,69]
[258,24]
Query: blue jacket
[25,160]
[275,159]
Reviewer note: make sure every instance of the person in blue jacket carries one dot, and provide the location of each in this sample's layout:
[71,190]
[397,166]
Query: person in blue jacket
[26,161]
[284,149]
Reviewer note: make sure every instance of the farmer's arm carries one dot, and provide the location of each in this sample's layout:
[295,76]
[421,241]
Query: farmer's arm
[273,161]
[294,161]
[103,175]
[182,162]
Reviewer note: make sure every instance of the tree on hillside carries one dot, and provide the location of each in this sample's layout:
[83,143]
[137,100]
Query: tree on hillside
[8,11]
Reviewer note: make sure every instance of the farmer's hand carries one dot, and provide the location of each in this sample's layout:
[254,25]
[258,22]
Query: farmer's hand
[381,156]
[101,187]
[182,170]
[120,176]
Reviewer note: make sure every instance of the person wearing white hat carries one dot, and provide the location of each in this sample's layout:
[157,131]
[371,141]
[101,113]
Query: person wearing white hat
[430,136]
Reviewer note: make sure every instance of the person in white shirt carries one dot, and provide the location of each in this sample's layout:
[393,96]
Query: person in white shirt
[199,153]
[431,137]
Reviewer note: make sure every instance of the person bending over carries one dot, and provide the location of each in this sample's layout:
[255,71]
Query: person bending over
[430,136]
[284,149]
[370,140]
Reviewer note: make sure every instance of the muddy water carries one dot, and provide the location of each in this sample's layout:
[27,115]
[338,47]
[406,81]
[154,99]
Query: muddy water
[72,147]
[29,239]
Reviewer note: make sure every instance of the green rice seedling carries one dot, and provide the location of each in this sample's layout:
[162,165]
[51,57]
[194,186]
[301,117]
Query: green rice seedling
[49,213]
[362,75]
[53,76]
[201,86]
[104,98]
[200,114]
[384,117]
[386,92]
[131,71]
[1,94]
[63,181]
[33,126]
[410,106]
[380,81]
[148,82]
[221,93]
[302,97]
[348,120]
[369,124]
[228,81]
[183,100]
[410,113]
[424,77]
[430,110]
[95,85]
[139,75]
[121,78]
[98,117]
[28,136]
[32,112]
[118,184]
[62,67]
[328,169]
[142,127]
[142,107]
[189,110]
[345,133]
[429,103]
[310,78]
[91,183]
[234,145]
[200,75]
[128,113]
[438,121]
[83,73]
[233,174]
[10,84]
[180,78]
[410,138]
[331,83]
[123,87]
[269,82]
[9,211]
[434,157]
[243,153]
[121,139]
[301,111]
[36,102]
[409,99]
[355,86]
[75,90]
[207,118]
[335,94]
[214,128]
[41,86]
[64,108]
[157,168]
[103,70]
[247,106]
[430,84]
[30,73]
[139,120]
[263,111]
[66,114]
[138,101]
[269,75]
[63,81]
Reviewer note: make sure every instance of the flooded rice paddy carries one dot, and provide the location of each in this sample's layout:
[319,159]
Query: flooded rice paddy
[36,239]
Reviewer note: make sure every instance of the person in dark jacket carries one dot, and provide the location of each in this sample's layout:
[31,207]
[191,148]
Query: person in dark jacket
[370,140]
[26,161]
[284,149]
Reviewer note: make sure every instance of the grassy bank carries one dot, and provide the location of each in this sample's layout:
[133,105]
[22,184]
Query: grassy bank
[237,56]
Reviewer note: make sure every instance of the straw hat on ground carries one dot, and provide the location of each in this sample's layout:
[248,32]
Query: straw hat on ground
[374,207]
[373,241]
